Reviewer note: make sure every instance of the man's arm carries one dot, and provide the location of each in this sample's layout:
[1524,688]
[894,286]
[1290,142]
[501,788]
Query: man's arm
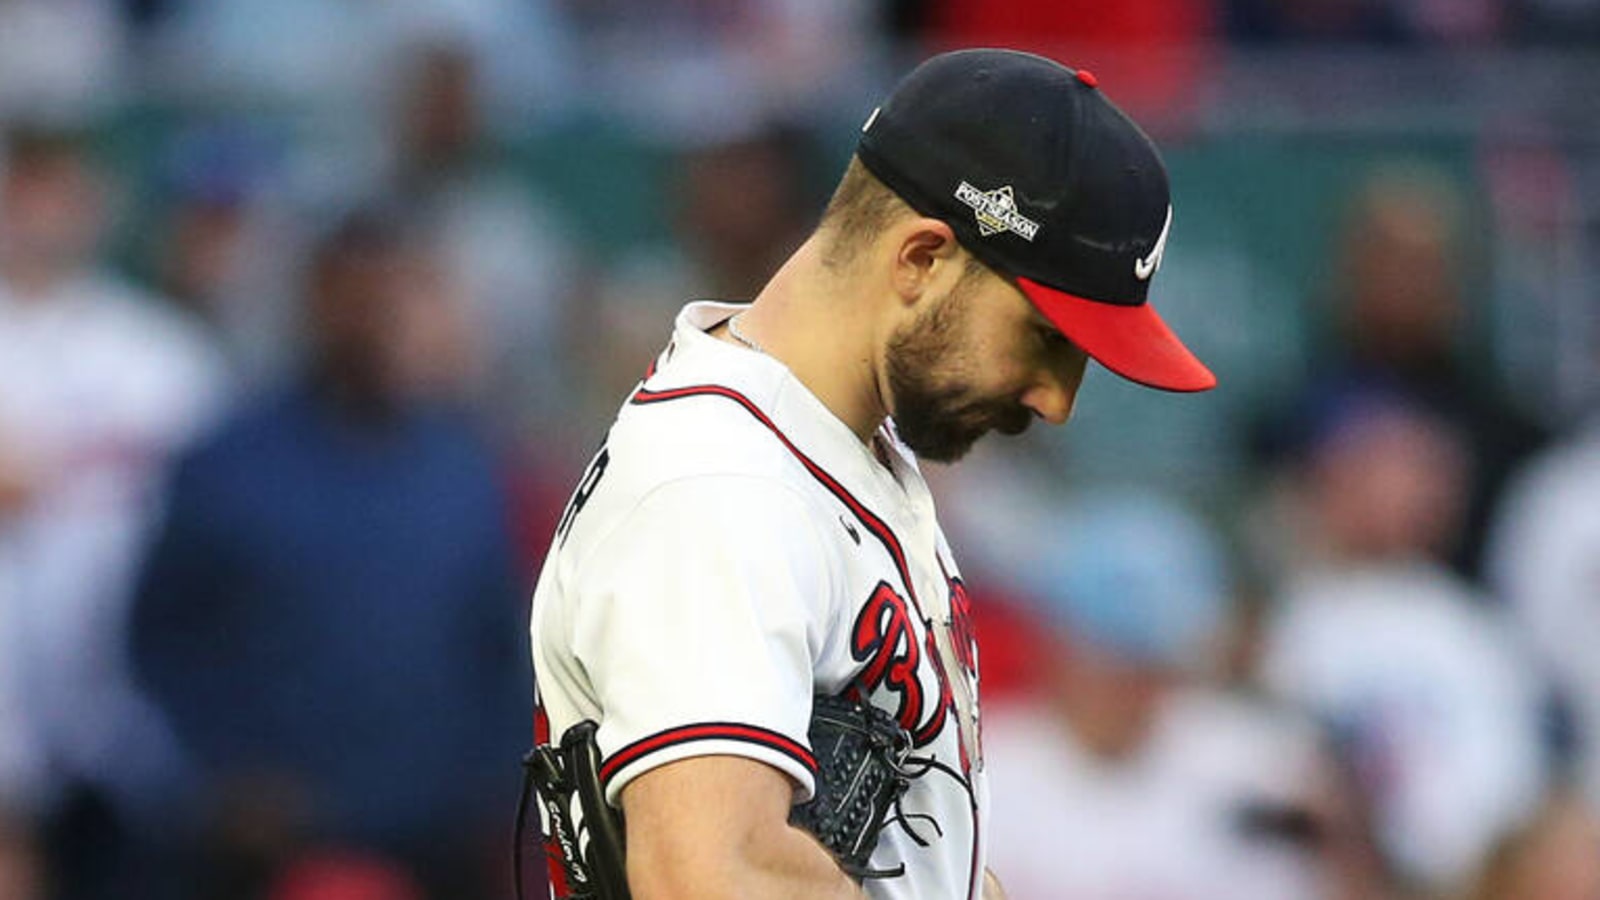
[991,886]
[713,827]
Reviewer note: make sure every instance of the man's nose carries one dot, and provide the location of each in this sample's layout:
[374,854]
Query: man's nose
[1050,400]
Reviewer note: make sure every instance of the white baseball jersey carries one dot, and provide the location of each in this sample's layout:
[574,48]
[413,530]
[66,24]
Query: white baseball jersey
[735,549]
[98,386]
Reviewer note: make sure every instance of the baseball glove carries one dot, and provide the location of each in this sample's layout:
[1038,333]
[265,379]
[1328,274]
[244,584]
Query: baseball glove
[861,754]
[584,838]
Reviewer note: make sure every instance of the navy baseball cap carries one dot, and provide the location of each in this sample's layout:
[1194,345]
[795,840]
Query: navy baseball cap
[1046,181]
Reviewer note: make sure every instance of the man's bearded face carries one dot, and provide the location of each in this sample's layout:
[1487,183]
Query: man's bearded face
[938,412]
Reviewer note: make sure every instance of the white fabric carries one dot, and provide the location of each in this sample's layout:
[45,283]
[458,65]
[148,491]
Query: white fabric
[710,577]
[97,387]
[1545,560]
[1437,706]
[1167,823]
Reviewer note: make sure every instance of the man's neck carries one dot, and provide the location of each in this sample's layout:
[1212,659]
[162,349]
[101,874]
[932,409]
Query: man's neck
[807,319]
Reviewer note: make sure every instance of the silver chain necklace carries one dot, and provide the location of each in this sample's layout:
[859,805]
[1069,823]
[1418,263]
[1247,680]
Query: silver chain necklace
[733,329]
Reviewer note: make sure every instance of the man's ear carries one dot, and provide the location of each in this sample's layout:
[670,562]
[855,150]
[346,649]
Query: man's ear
[926,254]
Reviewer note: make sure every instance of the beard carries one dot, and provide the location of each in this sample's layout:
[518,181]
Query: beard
[936,414]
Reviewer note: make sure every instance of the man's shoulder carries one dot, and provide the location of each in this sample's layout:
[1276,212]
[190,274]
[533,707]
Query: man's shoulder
[716,419]
[708,410]
[700,434]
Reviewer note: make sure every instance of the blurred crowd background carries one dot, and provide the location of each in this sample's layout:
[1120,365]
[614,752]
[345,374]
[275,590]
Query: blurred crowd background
[311,310]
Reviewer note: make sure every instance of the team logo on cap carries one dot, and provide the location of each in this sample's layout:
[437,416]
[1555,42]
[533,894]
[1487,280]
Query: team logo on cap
[997,211]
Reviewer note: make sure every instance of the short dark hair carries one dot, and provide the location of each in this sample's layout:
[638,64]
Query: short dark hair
[861,207]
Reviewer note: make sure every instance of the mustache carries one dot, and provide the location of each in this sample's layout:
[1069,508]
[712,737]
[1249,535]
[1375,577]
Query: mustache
[1012,426]
[975,420]
[1011,420]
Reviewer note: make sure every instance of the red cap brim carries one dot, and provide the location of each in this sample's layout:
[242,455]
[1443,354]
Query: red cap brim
[1131,341]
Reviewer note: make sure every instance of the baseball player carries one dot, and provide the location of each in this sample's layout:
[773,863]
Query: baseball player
[755,535]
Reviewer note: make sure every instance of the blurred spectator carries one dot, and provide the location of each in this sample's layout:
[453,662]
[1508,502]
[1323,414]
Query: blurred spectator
[332,57]
[222,242]
[440,125]
[329,54]
[653,63]
[1380,480]
[1554,857]
[504,246]
[1400,325]
[99,383]
[330,618]
[1545,559]
[1418,678]
[21,868]
[742,206]
[61,61]
[1127,776]
[1546,334]
[738,209]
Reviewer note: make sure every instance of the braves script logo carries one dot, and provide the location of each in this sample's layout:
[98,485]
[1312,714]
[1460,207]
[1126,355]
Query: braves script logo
[1144,268]
[997,211]
[885,638]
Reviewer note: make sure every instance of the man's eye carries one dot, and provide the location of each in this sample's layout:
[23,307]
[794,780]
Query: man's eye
[1056,343]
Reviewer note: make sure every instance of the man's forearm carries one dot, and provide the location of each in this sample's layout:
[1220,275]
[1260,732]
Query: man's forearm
[781,863]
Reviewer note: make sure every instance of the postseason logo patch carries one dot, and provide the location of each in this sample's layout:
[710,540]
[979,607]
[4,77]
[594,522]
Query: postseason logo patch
[997,211]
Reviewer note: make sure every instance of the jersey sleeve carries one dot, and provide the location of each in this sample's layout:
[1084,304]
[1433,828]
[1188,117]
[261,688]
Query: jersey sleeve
[698,620]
